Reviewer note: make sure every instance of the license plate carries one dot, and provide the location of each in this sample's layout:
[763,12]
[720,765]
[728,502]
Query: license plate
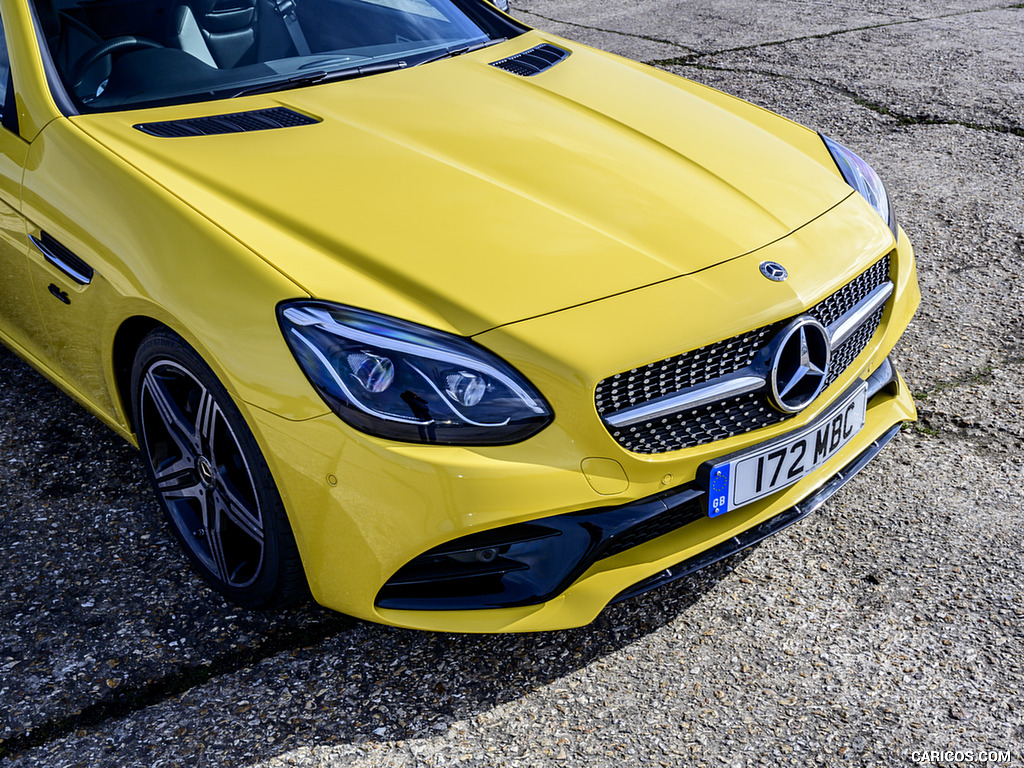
[753,474]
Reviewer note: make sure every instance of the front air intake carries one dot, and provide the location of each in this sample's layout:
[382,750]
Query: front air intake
[236,122]
[533,61]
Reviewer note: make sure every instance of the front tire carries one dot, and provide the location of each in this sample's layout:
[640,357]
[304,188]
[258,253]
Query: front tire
[210,477]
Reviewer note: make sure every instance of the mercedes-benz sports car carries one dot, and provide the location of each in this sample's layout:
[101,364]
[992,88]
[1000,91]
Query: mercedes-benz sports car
[465,326]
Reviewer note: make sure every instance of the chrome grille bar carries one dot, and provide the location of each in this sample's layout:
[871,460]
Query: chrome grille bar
[746,380]
[846,326]
[735,385]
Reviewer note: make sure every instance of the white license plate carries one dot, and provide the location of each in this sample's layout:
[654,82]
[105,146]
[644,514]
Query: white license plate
[751,475]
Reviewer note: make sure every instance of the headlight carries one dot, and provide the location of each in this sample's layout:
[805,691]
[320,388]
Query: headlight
[403,381]
[863,178]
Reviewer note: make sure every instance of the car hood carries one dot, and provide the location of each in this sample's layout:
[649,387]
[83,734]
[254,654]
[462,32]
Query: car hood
[469,197]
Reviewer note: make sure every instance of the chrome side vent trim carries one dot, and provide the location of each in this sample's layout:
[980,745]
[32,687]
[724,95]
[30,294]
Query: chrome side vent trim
[533,61]
[236,122]
[63,259]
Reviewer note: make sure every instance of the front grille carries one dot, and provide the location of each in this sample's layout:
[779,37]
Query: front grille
[670,376]
[847,352]
[842,301]
[737,415]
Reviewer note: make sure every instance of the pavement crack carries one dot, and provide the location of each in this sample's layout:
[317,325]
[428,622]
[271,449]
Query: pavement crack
[696,55]
[134,698]
[592,28]
[901,118]
[936,423]
[996,443]
[983,375]
[904,118]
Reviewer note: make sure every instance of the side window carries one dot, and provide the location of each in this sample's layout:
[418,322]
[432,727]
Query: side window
[8,109]
[5,67]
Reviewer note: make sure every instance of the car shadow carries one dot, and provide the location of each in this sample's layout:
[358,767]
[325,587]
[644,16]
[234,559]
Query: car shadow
[104,625]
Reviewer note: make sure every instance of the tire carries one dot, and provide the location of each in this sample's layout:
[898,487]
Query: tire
[210,477]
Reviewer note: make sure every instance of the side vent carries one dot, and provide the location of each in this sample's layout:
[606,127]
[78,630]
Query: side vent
[237,122]
[63,259]
[531,62]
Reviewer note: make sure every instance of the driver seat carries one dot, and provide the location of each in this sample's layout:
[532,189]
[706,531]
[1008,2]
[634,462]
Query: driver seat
[220,33]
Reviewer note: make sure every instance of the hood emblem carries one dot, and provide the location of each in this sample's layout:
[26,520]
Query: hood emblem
[774,271]
[800,363]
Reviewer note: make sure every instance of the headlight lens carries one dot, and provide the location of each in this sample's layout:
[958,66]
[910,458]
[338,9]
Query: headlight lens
[404,381]
[863,178]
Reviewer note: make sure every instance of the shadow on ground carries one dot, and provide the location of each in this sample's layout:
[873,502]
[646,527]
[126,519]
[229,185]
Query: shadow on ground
[101,617]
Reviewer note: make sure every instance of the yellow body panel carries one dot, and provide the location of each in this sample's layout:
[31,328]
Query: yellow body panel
[374,505]
[163,262]
[592,219]
[463,197]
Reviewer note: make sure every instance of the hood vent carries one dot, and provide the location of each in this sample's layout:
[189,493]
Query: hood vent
[533,61]
[237,122]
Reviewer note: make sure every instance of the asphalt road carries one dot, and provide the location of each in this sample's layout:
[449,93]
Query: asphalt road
[883,628]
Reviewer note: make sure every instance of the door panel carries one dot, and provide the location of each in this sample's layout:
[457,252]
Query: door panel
[21,326]
[74,212]
[74,314]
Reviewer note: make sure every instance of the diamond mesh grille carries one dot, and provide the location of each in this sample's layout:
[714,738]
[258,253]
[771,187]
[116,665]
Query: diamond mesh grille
[842,301]
[736,415]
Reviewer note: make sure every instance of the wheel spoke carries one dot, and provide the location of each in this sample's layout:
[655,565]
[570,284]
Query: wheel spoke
[179,480]
[214,535]
[207,413]
[178,426]
[235,509]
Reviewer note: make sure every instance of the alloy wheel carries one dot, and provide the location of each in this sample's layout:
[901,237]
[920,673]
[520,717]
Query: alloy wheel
[201,473]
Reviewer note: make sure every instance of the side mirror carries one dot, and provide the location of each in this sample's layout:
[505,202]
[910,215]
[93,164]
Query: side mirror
[501,5]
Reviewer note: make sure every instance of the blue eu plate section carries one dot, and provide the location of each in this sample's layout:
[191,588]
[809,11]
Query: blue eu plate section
[759,471]
[718,490]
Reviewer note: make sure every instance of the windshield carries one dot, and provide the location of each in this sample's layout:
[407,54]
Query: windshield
[118,54]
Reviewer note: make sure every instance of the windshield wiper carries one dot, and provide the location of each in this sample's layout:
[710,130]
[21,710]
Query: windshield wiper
[321,76]
[327,76]
[458,51]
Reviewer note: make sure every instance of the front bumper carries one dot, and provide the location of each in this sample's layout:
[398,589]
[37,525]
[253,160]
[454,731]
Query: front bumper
[364,509]
[531,563]
[762,531]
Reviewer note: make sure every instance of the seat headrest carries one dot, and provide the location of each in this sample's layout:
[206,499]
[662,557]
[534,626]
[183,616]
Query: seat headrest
[218,16]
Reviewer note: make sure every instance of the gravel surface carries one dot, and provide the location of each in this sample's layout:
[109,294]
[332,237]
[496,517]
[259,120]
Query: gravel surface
[885,625]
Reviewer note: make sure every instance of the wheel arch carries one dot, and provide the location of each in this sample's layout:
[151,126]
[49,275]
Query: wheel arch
[127,339]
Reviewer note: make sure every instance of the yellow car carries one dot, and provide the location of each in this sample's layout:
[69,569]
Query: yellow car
[455,324]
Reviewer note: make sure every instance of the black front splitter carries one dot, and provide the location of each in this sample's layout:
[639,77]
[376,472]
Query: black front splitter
[762,531]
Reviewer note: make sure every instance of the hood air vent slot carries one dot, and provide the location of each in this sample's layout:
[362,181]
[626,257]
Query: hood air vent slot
[237,122]
[533,61]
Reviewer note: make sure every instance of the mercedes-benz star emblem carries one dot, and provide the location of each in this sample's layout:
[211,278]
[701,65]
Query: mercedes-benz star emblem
[774,271]
[799,364]
[205,469]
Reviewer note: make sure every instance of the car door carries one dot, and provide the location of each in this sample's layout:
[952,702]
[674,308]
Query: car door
[54,306]
[69,277]
[21,325]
